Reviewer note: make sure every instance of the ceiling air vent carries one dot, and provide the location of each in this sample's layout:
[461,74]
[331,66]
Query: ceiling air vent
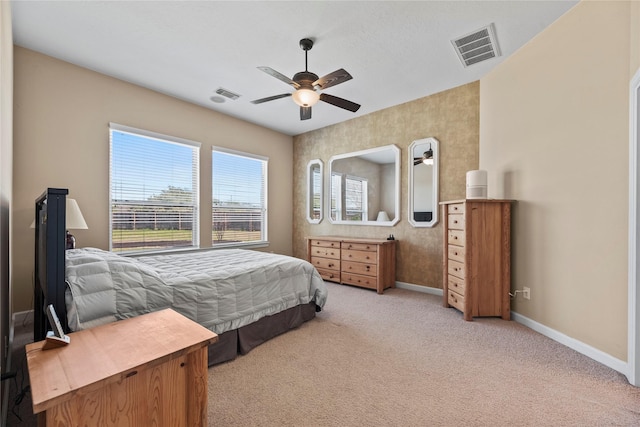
[227,93]
[477,46]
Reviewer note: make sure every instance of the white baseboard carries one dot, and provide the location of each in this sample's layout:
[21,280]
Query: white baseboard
[418,288]
[582,348]
[572,343]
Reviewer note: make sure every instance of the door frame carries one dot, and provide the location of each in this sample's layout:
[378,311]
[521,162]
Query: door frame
[633,347]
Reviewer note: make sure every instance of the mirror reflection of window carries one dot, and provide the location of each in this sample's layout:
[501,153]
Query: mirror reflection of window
[363,184]
[356,198]
[314,191]
[336,198]
[316,184]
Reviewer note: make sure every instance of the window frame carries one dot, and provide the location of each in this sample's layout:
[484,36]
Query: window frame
[264,229]
[163,138]
[338,208]
[363,199]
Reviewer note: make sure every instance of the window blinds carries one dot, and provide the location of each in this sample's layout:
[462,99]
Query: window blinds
[154,190]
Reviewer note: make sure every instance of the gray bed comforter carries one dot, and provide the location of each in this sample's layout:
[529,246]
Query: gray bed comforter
[220,289]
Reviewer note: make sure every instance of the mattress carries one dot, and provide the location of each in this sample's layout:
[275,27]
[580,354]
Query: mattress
[222,289]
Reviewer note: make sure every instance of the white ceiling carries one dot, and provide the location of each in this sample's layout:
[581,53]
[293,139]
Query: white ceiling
[396,51]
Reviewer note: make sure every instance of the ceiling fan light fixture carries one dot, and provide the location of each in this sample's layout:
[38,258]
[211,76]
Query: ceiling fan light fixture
[306,97]
[427,157]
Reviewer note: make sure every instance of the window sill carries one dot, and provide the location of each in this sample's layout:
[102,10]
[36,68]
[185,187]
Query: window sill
[247,245]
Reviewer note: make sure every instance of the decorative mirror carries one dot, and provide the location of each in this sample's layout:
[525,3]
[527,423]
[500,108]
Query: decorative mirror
[314,191]
[423,182]
[364,187]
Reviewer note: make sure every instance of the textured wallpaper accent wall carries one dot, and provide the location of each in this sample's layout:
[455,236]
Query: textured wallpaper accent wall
[452,117]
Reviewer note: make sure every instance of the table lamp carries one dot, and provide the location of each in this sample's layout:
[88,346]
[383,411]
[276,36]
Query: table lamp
[74,221]
[382,216]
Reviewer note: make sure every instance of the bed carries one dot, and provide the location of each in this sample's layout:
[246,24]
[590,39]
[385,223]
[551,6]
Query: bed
[246,297]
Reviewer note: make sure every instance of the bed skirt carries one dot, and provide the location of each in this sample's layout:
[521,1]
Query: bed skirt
[242,340]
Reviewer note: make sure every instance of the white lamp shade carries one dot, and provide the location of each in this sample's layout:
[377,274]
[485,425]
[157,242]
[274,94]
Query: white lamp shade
[382,216]
[74,220]
[305,97]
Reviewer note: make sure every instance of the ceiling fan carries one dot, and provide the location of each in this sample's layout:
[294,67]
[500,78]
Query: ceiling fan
[427,158]
[308,85]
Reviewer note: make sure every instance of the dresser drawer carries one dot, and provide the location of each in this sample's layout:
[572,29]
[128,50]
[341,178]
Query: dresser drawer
[456,300]
[326,263]
[330,275]
[359,246]
[326,243]
[456,253]
[358,280]
[455,208]
[456,222]
[360,268]
[456,284]
[365,262]
[326,252]
[359,256]
[456,268]
[456,237]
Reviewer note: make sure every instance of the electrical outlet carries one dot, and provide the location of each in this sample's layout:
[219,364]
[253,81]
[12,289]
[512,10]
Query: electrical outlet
[526,293]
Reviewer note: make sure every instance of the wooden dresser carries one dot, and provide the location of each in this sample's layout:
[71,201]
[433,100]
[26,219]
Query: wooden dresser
[147,370]
[368,263]
[477,257]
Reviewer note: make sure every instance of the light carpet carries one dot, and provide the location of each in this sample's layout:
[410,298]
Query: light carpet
[401,359]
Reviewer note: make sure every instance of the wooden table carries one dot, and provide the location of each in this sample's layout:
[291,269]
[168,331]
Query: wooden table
[147,370]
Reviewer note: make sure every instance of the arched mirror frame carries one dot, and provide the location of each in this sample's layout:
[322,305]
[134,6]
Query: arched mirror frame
[312,185]
[434,144]
[396,156]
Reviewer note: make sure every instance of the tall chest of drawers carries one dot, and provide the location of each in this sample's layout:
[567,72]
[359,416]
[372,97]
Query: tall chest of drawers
[368,263]
[477,257]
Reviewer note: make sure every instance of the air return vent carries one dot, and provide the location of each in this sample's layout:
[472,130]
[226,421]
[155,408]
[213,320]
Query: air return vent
[477,46]
[227,93]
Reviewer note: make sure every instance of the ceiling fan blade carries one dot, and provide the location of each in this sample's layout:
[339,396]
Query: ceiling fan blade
[339,102]
[305,113]
[417,161]
[279,76]
[332,79]
[270,98]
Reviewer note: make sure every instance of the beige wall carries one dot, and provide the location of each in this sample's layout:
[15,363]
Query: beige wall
[61,117]
[634,48]
[554,134]
[451,117]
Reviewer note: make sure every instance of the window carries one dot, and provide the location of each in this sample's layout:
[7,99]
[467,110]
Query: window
[355,198]
[154,191]
[239,208]
[316,191]
[336,198]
